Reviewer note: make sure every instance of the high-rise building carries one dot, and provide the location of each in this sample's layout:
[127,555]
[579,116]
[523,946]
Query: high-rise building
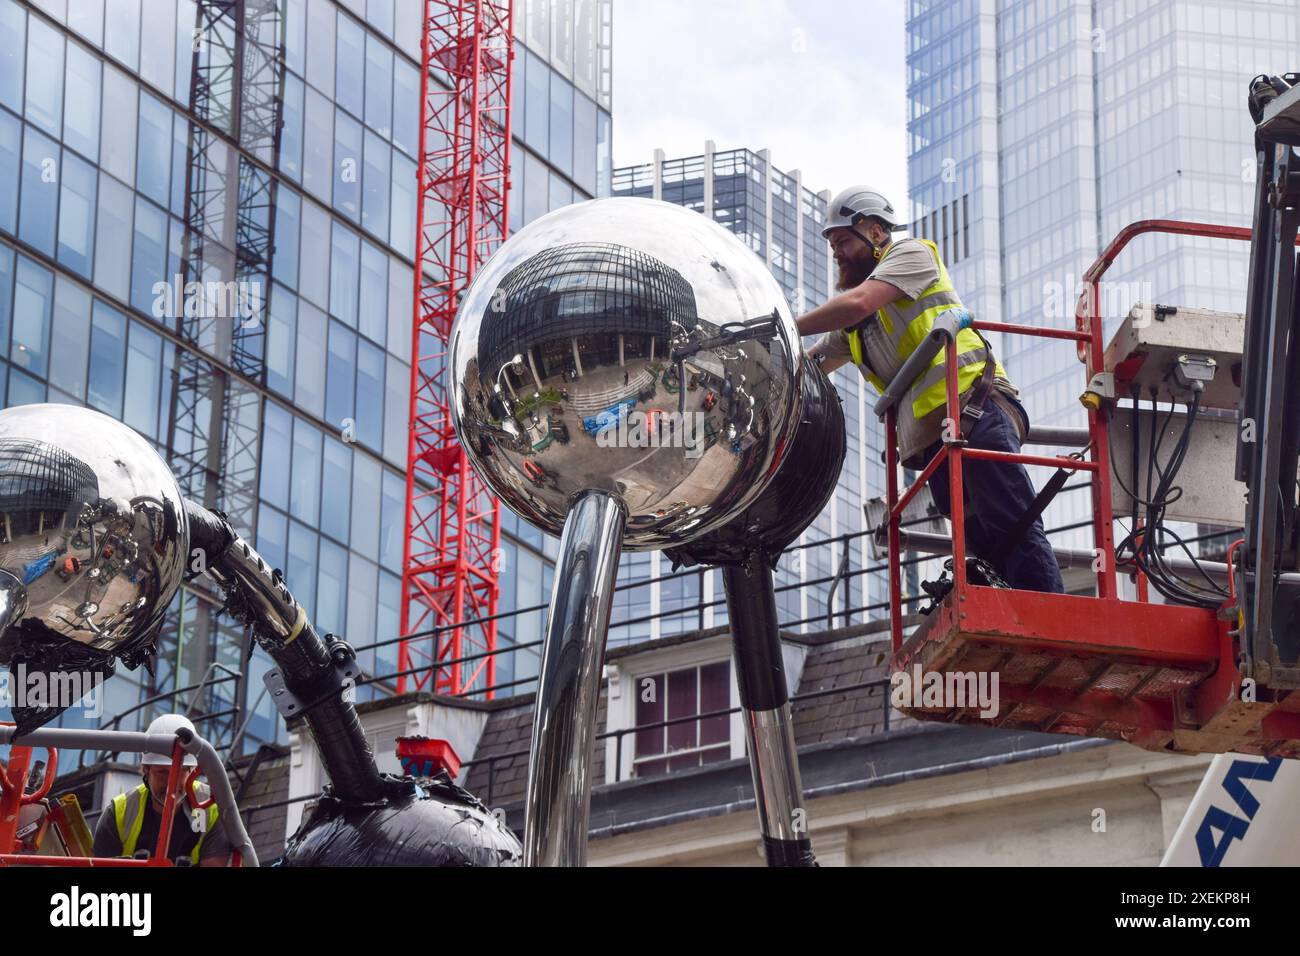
[781,220]
[161,157]
[1039,128]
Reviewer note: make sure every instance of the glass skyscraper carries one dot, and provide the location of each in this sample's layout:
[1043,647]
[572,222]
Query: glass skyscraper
[267,149]
[1039,128]
[781,220]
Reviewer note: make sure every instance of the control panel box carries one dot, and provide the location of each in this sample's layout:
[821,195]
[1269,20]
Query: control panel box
[1165,347]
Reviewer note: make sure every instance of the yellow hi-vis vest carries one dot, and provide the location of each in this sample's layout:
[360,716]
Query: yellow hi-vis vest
[132,803]
[906,323]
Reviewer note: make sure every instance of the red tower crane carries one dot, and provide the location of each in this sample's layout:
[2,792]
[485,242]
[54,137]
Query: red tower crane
[452,532]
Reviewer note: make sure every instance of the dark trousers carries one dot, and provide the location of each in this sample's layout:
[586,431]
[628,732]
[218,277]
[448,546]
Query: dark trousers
[996,495]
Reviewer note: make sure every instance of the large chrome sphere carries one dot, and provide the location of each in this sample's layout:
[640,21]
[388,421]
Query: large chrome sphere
[94,536]
[630,346]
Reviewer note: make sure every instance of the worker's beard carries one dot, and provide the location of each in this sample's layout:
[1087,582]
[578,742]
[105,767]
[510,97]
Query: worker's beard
[853,273]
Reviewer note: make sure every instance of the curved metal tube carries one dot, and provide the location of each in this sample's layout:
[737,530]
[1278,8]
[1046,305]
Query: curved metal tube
[558,799]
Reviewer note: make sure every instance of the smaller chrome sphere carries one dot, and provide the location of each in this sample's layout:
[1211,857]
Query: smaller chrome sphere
[93,535]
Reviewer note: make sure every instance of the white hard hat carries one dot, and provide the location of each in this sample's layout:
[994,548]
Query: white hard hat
[853,205]
[169,724]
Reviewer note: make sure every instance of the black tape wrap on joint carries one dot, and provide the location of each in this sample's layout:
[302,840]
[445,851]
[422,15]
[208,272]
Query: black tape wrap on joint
[210,534]
[789,853]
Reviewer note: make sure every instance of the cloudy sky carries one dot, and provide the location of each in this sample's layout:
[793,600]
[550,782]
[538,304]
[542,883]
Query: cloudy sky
[818,82]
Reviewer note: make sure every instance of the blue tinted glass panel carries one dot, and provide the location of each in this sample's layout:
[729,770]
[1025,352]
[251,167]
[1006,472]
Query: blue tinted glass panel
[277,445]
[309,377]
[25,390]
[122,32]
[6,292]
[584,144]
[301,571]
[288,214]
[143,371]
[149,254]
[11,138]
[40,197]
[347,166]
[376,180]
[291,138]
[341,377]
[86,17]
[107,372]
[304,477]
[561,154]
[370,394]
[154,150]
[393,524]
[336,490]
[372,312]
[379,87]
[272,536]
[44,76]
[318,146]
[112,238]
[180,148]
[380,15]
[537,104]
[13,27]
[331,596]
[33,304]
[117,138]
[366,487]
[77,215]
[70,338]
[349,80]
[401,230]
[281,333]
[81,103]
[406,107]
[345,252]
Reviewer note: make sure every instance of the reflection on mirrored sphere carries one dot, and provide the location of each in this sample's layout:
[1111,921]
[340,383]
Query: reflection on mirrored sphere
[92,531]
[630,346]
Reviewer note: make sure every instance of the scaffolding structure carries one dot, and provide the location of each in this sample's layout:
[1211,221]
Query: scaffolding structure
[452,529]
[236,97]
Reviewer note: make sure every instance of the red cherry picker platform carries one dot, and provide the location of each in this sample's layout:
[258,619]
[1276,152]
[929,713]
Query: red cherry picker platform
[1163,676]
[37,831]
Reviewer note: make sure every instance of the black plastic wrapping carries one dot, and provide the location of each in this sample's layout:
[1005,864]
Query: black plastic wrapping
[427,821]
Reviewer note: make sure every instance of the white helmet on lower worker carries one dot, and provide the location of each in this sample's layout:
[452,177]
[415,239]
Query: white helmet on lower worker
[852,207]
[168,724]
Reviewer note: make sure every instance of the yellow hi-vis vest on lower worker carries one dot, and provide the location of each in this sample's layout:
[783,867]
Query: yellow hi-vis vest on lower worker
[129,808]
[902,325]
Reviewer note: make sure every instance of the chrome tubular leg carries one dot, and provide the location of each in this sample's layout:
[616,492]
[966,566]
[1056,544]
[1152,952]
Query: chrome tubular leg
[558,798]
[760,675]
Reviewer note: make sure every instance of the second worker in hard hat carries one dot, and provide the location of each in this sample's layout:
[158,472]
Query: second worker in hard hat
[131,822]
[890,292]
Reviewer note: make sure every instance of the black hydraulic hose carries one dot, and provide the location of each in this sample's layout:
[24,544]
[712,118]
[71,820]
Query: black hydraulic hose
[257,594]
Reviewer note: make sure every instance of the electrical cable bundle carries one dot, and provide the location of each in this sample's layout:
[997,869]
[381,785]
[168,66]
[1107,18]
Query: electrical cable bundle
[1147,544]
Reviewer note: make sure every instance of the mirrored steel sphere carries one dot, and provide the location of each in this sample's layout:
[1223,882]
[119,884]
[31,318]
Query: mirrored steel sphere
[92,528]
[630,346]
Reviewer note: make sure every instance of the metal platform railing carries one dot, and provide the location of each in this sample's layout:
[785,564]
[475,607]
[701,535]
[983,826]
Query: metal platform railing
[14,783]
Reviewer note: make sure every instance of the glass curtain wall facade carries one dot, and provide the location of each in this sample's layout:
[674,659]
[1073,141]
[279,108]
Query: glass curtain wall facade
[122,179]
[781,220]
[1039,128]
